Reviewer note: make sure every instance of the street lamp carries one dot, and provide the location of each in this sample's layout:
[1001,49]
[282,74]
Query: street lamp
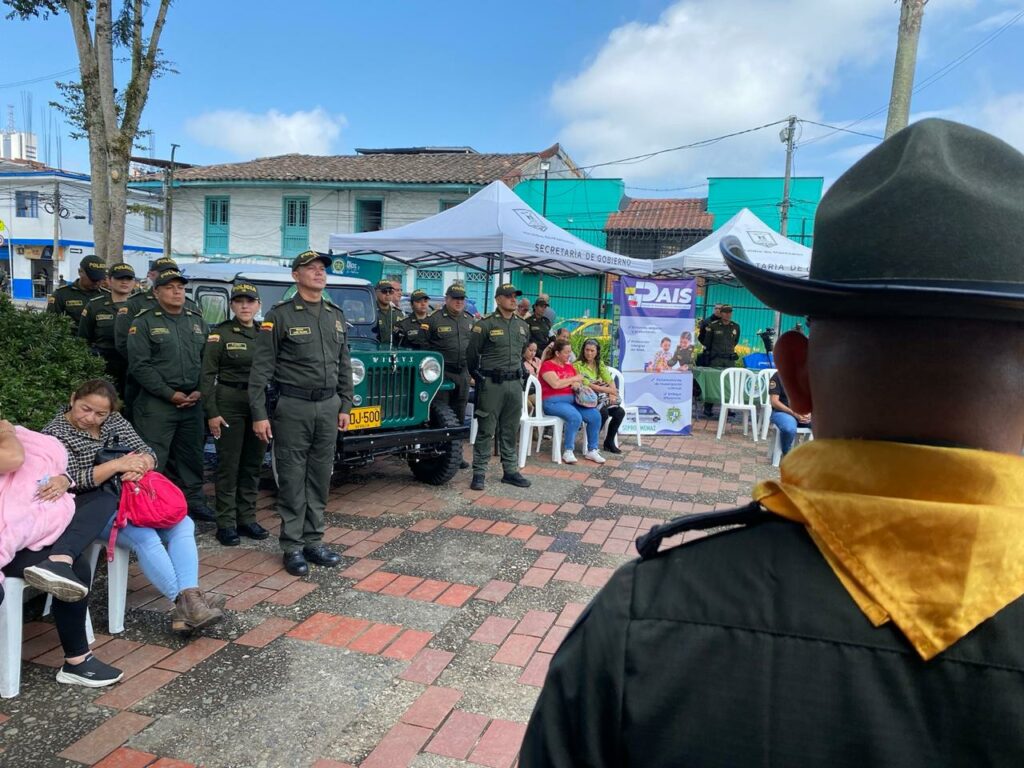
[545,166]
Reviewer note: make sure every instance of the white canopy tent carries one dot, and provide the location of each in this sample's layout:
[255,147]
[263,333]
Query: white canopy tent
[492,231]
[765,247]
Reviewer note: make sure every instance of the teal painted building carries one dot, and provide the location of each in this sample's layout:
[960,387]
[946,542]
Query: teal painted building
[581,207]
[763,196]
[728,195]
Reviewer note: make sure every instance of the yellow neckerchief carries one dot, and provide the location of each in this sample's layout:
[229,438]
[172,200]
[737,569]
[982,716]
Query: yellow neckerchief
[931,538]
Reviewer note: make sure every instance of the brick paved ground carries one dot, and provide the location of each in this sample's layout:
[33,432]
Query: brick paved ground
[426,647]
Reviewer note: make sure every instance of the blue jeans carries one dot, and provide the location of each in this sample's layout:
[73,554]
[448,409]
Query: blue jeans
[168,556]
[787,429]
[565,408]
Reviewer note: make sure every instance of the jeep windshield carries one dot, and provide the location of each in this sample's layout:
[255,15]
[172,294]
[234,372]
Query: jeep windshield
[355,301]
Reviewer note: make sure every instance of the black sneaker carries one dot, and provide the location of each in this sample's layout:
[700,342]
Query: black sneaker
[202,514]
[253,531]
[515,478]
[477,483]
[464,464]
[92,673]
[58,579]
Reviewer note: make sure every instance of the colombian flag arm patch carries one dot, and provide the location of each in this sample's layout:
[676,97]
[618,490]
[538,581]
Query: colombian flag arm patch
[266,326]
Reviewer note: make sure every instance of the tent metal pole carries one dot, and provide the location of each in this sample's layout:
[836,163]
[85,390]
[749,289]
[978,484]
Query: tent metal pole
[489,297]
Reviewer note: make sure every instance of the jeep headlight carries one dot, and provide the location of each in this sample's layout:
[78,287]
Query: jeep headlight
[430,370]
[358,372]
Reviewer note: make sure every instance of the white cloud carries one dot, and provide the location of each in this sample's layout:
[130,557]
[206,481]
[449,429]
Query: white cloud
[711,67]
[1003,116]
[250,135]
[991,23]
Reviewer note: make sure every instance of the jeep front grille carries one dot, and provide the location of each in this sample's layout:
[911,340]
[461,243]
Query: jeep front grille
[394,392]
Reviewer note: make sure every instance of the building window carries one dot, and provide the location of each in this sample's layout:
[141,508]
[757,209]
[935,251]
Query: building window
[448,204]
[295,232]
[26,205]
[154,221]
[369,215]
[215,231]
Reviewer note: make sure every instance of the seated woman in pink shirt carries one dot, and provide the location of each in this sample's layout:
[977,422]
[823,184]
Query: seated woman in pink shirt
[558,383]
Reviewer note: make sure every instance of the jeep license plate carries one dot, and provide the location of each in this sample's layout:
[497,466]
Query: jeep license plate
[365,418]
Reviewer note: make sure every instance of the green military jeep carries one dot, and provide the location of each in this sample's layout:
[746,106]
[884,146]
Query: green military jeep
[394,412]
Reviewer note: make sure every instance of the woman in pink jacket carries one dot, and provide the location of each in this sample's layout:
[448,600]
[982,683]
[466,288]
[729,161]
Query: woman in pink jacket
[42,527]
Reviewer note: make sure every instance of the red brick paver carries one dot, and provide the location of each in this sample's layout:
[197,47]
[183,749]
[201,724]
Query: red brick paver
[103,740]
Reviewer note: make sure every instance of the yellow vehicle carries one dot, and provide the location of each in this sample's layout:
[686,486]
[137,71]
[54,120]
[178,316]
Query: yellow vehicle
[588,327]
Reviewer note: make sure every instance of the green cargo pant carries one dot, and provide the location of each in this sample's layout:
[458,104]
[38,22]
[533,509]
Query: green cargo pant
[305,440]
[239,458]
[177,436]
[498,406]
[457,398]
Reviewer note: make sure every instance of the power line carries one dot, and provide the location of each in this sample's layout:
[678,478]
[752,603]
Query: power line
[930,80]
[30,81]
[844,130]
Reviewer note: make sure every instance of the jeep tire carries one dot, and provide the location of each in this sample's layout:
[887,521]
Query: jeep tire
[440,468]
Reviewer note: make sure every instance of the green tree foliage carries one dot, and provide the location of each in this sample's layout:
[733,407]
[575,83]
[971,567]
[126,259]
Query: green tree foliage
[42,362]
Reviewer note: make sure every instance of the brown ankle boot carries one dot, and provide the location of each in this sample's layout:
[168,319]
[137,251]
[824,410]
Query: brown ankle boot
[192,611]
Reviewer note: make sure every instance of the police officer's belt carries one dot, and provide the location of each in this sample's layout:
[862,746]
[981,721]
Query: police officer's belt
[232,384]
[314,395]
[501,376]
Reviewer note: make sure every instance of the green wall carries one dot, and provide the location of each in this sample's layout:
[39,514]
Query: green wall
[581,206]
[576,296]
[728,195]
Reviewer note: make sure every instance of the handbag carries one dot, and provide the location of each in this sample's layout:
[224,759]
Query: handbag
[112,484]
[586,397]
[151,502]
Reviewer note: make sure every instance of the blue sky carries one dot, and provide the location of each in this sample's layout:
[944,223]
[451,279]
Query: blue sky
[608,78]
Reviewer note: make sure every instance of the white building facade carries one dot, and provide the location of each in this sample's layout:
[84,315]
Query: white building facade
[46,228]
[274,208]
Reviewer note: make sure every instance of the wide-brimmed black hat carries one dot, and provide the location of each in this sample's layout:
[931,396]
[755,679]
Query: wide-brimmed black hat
[928,224]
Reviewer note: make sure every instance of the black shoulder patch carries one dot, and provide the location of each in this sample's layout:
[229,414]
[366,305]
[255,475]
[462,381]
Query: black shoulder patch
[752,514]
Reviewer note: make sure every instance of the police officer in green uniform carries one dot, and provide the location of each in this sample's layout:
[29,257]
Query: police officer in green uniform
[495,360]
[411,330]
[136,303]
[449,330]
[388,314]
[165,351]
[721,338]
[97,323]
[540,324]
[70,300]
[225,396]
[302,348]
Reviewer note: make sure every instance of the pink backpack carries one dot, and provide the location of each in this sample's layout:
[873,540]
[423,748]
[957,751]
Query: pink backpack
[152,502]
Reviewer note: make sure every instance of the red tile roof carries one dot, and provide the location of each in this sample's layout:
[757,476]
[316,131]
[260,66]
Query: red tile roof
[663,214]
[410,168]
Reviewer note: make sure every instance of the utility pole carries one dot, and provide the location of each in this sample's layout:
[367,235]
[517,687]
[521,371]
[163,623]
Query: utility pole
[911,15]
[56,224]
[169,204]
[787,135]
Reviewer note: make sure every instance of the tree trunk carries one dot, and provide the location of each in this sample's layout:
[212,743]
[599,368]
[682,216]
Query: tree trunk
[89,75]
[911,14]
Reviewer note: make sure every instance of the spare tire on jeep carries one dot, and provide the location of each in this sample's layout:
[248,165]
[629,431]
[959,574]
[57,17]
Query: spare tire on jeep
[437,464]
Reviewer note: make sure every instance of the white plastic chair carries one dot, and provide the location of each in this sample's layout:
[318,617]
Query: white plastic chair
[632,411]
[538,421]
[739,393]
[11,619]
[117,584]
[764,378]
[775,446]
